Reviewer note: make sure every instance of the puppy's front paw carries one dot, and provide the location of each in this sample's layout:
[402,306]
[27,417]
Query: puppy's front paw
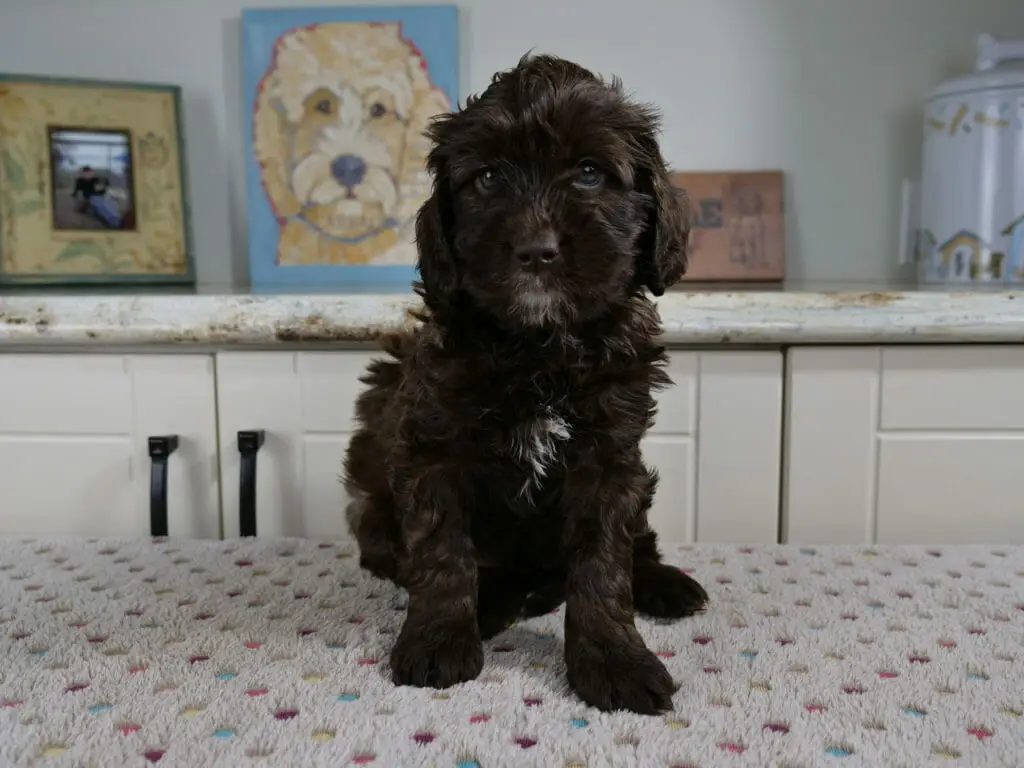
[436,655]
[662,591]
[620,676]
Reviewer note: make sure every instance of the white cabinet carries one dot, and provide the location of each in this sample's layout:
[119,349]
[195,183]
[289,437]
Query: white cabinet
[304,403]
[716,442]
[716,446]
[919,444]
[74,432]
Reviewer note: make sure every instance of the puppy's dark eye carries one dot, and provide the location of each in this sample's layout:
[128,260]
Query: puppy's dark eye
[588,175]
[378,110]
[324,106]
[486,180]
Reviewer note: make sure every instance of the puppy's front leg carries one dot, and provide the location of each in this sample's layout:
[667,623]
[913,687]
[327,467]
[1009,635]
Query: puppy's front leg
[607,663]
[439,644]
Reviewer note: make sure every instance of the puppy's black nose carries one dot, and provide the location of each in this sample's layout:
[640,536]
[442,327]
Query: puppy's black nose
[538,253]
[349,170]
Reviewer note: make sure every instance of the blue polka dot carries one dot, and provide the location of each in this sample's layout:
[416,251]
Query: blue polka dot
[838,752]
[579,722]
[348,697]
[226,676]
[99,708]
[224,733]
[748,654]
[468,764]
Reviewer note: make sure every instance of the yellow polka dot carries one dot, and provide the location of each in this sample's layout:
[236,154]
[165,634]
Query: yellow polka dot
[191,711]
[54,751]
[322,737]
[312,678]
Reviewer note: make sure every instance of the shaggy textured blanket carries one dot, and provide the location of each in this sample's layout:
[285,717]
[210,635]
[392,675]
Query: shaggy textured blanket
[275,652]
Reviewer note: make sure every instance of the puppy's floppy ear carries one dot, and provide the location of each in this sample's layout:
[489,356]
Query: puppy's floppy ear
[663,250]
[435,222]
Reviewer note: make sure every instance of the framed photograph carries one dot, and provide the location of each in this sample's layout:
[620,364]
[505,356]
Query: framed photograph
[738,230]
[92,183]
[337,101]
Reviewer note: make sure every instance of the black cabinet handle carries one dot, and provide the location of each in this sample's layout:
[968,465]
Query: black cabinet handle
[249,444]
[160,450]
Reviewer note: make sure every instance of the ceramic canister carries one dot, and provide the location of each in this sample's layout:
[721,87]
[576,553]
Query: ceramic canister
[972,182]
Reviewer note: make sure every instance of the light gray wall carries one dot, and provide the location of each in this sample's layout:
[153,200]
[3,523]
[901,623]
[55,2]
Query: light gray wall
[827,90]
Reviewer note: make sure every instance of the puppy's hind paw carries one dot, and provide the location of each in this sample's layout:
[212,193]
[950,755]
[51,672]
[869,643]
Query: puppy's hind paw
[661,591]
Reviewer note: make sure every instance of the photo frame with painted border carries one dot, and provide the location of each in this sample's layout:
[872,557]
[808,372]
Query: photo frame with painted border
[157,247]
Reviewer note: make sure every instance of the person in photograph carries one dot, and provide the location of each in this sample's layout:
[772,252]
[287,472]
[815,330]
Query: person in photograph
[93,190]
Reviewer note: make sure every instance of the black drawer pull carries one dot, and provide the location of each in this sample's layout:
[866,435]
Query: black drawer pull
[160,450]
[249,444]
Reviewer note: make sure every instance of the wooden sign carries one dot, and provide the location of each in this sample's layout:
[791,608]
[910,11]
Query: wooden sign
[738,233]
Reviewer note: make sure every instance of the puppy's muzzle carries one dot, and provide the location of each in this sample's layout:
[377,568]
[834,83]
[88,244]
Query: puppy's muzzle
[539,253]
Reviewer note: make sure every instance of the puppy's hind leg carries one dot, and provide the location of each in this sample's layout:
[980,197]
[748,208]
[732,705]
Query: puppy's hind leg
[507,596]
[500,600]
[370,513]
[373,523]
[659,590]
[545,599]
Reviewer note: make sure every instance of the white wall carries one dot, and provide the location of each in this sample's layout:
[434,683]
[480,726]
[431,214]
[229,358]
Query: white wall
[827,90]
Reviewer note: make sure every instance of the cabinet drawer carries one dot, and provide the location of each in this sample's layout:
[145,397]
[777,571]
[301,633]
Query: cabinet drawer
[677,403]
[69,486]
[950,488]
[952,388]
[329,383]
[66,394]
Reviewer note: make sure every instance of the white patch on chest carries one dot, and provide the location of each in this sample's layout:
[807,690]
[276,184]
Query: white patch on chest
[536,444]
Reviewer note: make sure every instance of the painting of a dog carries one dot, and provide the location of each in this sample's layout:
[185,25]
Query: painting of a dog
[338,142]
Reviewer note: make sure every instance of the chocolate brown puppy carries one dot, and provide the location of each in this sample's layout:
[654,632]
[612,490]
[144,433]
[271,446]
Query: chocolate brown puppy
[497,470]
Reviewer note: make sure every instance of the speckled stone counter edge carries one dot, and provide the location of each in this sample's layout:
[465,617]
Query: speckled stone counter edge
[736,318]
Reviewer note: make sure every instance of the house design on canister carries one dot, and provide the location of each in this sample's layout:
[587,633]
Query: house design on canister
[1015,257]
[965,255]
[924,246]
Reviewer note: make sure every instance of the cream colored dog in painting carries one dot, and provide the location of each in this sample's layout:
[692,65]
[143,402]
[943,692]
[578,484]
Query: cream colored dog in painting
[338,134]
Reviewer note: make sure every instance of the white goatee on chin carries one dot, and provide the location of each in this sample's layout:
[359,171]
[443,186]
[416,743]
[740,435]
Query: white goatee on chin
[535,303]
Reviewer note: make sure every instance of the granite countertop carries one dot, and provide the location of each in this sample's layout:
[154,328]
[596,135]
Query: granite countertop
[770,315]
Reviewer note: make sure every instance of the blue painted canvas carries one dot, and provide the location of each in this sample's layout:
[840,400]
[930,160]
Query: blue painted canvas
[337,100]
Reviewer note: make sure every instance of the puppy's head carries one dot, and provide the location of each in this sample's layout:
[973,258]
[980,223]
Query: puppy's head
[551,202]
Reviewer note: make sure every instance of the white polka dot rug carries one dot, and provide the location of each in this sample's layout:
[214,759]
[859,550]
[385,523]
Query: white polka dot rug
[275,652]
